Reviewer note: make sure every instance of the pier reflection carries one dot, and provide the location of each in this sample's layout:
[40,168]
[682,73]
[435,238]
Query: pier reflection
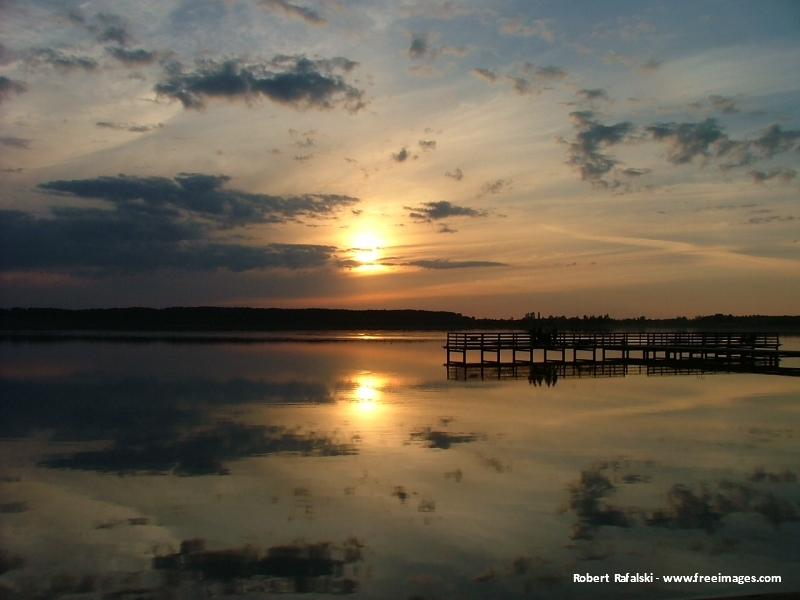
[548,373]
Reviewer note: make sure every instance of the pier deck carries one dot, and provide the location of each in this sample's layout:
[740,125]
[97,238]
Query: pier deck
[751,352]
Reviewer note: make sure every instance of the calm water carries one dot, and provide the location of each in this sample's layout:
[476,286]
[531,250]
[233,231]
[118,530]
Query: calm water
[191,470]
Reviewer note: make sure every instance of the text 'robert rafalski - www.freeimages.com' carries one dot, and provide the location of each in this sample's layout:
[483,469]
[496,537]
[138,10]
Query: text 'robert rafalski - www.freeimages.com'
[696,578]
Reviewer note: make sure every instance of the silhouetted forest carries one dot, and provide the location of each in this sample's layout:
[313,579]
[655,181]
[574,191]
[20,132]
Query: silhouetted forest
[217,319]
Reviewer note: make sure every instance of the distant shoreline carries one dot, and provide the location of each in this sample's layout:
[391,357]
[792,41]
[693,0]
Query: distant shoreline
[132,323]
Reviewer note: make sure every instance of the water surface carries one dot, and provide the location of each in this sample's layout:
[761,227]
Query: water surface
[357,467]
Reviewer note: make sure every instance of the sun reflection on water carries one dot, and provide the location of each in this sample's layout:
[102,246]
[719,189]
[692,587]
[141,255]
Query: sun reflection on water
[366,397]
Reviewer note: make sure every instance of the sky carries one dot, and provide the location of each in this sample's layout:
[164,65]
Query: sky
[489,158]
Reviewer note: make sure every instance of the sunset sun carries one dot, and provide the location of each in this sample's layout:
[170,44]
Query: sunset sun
[366,248]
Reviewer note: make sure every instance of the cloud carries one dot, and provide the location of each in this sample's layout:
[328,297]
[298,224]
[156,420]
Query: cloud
[11,86]
[447,9]
[773,140]
[15,142]
[458,175]
[550,72]
[127,126]
[401,155]
[110,28]
[485,74]
[447,264]
[139,56]
[292,10]
[427,145]
[635,172]
[202,196]
[290,80]
[540,27]
[783,175]
[649,66]
[59,60]
[441,440]
[612,57]
[432,211]
[445,228]
[593,94]
[584,151]
[521,85]
[97,243]
[495,187]
[153,223]
[723,104]
[689,140]
[421,47]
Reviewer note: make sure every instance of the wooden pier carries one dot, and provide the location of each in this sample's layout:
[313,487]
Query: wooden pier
[500,352]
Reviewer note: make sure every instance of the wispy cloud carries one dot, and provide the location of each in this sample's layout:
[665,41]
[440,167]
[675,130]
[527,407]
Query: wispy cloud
[11,86]
[293,10]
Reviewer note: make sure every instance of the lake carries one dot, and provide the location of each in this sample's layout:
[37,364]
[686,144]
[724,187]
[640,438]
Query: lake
[351,464]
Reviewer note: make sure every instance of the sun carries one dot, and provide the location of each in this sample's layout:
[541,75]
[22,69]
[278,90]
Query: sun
[366,248]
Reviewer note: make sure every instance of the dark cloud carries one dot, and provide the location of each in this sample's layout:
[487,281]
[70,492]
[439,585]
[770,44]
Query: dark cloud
[783,175]
[299,568]
[773,140]
[432,211]
[689,140]
[593,94]
[201,196]
[422,48]
[584,151]
[205,452]
[635,172]
[136,57]
[458,175]
[108,27]
[485,74]
[447,264]
[291,80]
[153,223]
[6,55]
[292,10]
[445,228]
[441,440]
[79,409]
[520,85]
[59,60]
[723,104]
[770,219]
[550,72]
[427,145]
[649,66]
[11,86]
[96,243]
[495,187]
[402,155]
[587,502]
[127,126]
[15,142]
